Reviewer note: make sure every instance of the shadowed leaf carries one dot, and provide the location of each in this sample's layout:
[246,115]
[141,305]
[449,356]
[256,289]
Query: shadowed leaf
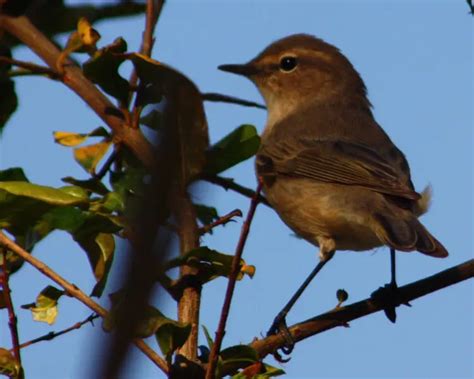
[239,145]
[8,364]
[14,174]
[74,139]
[90,156]
[103,67]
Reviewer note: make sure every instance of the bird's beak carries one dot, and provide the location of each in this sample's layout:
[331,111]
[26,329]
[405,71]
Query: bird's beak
[247,69]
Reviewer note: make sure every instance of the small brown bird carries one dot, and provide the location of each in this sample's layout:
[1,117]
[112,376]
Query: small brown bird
[328,169]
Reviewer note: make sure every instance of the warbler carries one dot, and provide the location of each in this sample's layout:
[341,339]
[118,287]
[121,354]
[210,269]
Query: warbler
[328,169]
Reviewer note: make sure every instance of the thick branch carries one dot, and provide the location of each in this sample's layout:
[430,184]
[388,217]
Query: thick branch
[74,291]
[342,315]
[26,32]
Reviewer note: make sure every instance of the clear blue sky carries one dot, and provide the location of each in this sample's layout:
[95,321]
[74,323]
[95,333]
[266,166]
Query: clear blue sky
[416,58]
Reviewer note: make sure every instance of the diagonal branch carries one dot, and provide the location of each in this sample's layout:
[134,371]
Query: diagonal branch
[342,315]
[211,369]
[52,335]
[75,292]
[218,97]
[73,77]
[31,67]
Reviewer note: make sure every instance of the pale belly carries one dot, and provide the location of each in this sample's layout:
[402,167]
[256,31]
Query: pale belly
[342,213]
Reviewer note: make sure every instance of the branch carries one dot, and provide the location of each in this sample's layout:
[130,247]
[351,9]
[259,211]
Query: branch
[342,315]
[220,221]
[229,184]
[12,320]
[75,292]
[52,335]
[31,67]
[217,97]
[211,369]
[73,77]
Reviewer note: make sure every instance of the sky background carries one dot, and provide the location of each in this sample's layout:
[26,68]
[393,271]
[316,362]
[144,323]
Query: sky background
[416,58]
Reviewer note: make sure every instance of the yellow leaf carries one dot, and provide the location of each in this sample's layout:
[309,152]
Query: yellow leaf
[89,156]
[69,138]
[248,269]
[89,36]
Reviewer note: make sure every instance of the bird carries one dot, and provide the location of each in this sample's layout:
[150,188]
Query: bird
[329,170]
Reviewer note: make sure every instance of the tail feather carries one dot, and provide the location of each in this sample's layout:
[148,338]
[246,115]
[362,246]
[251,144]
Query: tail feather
[408,235]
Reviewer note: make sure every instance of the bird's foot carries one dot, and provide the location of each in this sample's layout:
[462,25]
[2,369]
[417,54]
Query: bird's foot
[389,295]
[279,327]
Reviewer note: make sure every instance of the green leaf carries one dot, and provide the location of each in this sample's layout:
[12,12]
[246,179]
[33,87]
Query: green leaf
[239,145]
[22,203]
[103,67]
[100,248]
[92,185]
[171,335]
[238,356]
[45,308]
[210,341]
[14,174]
[8,364]
[90,156]
[210,264]
[73,139]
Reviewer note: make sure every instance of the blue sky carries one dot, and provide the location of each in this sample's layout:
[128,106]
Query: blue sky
[416,58]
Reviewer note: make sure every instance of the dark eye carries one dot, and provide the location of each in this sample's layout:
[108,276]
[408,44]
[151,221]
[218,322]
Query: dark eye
[288,63]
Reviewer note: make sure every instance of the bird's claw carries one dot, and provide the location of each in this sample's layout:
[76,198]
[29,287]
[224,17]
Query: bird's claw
[389,295]
[279,327]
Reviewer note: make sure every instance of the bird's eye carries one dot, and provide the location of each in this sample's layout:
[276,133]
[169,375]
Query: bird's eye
[288,63]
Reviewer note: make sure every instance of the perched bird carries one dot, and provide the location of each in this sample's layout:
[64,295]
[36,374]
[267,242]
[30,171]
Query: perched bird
[328,169]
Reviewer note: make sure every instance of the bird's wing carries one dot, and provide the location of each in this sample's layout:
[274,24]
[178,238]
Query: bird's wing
[335,162]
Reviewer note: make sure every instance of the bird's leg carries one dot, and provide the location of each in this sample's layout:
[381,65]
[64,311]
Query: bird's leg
[393,269]
[326,252]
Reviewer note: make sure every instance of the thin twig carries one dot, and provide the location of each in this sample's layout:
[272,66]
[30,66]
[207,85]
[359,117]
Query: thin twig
[52,335]
[31,67]
[108,163]
[218,97]
[152,16]
[220,221]
[211,369]
[12,320]
[75,292]
[229,184]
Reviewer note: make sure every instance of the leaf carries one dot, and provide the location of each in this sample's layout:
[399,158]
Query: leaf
[210,263]
[239,145]
[103,67]
[74,139]
[92,185]
[8,364]
[8,100]
[210,341]
[171,335]
[89,156]
[238,356]
[45,308]
[186,115]
[153,119]
[14,174]
[22,204]
[100,248]
[206,214]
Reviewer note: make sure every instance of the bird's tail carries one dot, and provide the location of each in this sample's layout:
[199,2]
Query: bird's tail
[408,234]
